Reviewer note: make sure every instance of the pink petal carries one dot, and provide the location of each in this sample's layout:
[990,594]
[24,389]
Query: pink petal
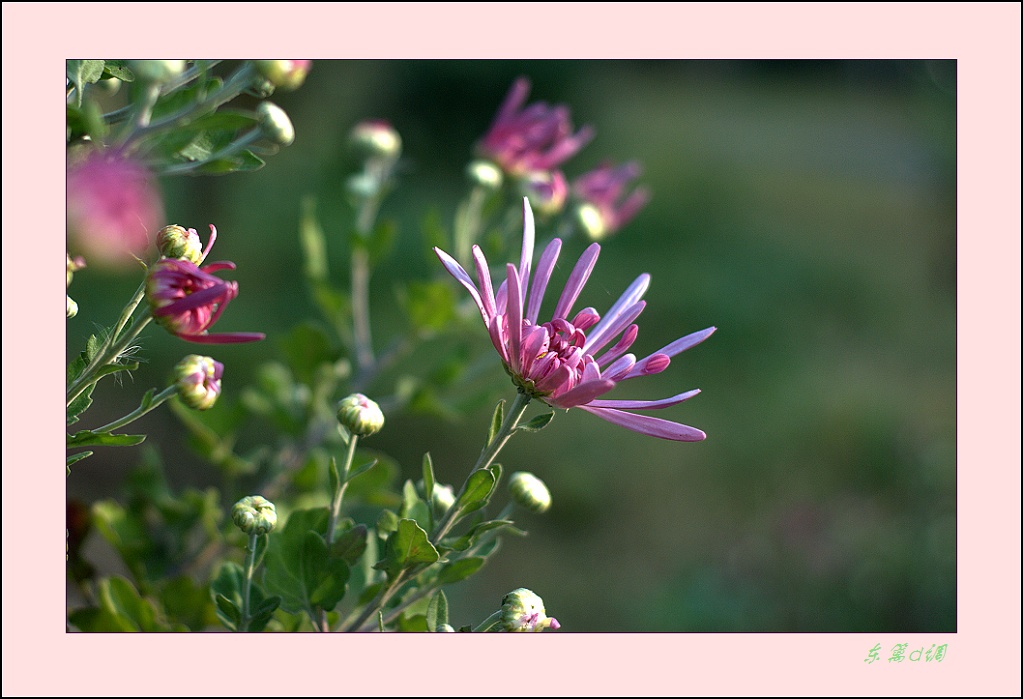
[610,331]
[622,345]
[514,317]
[540,279]
[486,286]
[644,404]
[684,343]
[628,298]
[651,426]
[577,280]
[583,393]
[528,234]
[456,271]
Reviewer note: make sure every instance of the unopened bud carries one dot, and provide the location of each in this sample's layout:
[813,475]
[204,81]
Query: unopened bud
[359,415]
[529,491]
[198,380]
[485,174]
[522,610]
[287,75]
[157,72]
[254,515]
[445,628]
[73,265]
[181,244]
[275,123]
[377,138]
[72,307]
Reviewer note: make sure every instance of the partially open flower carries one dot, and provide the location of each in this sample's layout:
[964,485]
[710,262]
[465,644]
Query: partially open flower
[533,139]
[180,243]
[523,610]
[604,207]
[198,380]
[546,191]
[563,362]
[187,300]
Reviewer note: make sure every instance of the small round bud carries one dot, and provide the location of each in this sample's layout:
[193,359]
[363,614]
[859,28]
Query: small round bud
[485,174]
[443,497]
[198,381]
[376,138]
[529,492]
[359,415]
[445,628]
[254,515]
[157,72]
[591,221]
[287,75]
[275,123]
[179,243]
[72,307]
[522,610]
[547,191]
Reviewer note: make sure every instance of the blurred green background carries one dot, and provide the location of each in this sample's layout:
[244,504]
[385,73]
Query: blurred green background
[807,209]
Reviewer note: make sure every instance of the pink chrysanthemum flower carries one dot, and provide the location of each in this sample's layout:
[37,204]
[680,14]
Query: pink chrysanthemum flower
[537,138]
[113,207]
[564,362]
[187,300]
[604,191]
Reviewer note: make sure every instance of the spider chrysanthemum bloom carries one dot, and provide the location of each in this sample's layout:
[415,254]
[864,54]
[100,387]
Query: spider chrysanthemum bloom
[566,362]
[531,139]
[187,300]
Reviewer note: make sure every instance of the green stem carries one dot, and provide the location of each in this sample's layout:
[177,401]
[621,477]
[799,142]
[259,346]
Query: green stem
[469,223]
[335,504]
[487,456]
[381,599]
[489,623]
[158,400]
[112,347]
[360,311]
[250,567]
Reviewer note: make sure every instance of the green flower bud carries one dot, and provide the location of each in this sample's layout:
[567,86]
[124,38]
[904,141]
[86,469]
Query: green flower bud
[72,307]
[179,243]
[198,381]
[522,610]
[359,415]
[591,221]
[376,138]
[445,628]
[275,123]
[157,72]
[485,174]
[287,75]
[529,491]
[254,515]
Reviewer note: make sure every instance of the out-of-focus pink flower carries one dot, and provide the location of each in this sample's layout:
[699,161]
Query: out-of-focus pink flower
[113,207]
[604,189]
[563,362]
[547,190]
[187,300]
[538,137]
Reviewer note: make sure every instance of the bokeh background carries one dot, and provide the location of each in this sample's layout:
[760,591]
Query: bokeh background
[805,208]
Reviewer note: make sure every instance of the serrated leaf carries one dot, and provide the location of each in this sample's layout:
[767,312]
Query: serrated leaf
[298,568]
[495,423]
[537,423]
[407,548]
[74,458]
[117,69]
[412,507]
[325,577]
[460,569]
[87,438]
[437,612]
[478,489]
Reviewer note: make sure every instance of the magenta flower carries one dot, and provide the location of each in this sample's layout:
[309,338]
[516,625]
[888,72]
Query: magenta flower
[113,206]
[563,362]
[604,189]
[187,300]
[538,137]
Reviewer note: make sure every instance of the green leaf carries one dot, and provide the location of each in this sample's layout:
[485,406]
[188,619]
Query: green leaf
[87,438]
[306,348]
[246,161]
[407,548]
[495,423]
[298,567]
[412,507]
[428,478]
[121,599]
[460,569]
[537,423]
[469,539]
[228,612]
[497,470]
[118,69]
[74,458]
[478,489]
[437,612]
[81,73]
[188,603]
[356,472]
[350,545]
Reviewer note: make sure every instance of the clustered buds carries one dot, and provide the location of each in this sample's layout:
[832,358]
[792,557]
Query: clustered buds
[523,610]
[254,515]
[179,243]
[198,381]
[529,491]
[359,415]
